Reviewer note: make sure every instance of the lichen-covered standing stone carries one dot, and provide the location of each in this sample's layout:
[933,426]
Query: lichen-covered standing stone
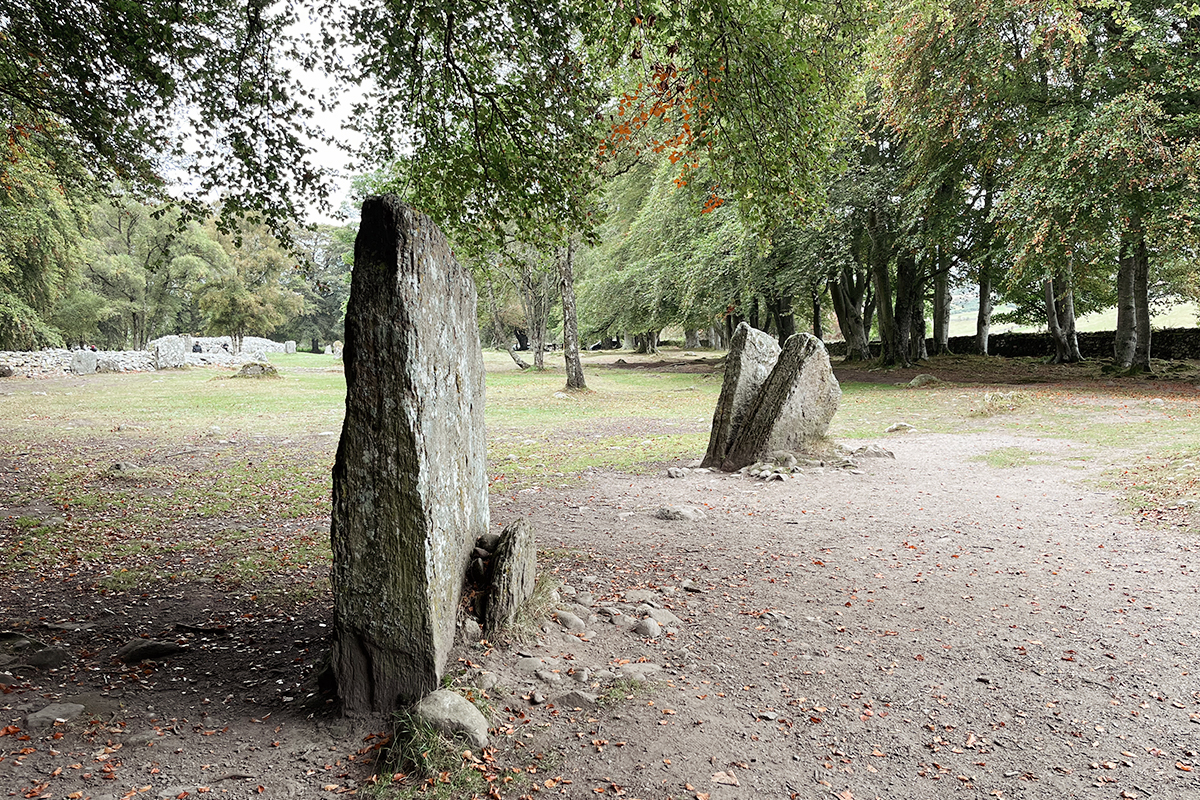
[409,482]
[752,356]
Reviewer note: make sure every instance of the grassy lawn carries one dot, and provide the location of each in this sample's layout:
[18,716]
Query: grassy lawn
[228,479]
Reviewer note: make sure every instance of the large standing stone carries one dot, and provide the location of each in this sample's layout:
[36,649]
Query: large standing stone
[514,574]
[289,346]
[83,362]
[170,352]
[752,356]
[793,407]
[409,482]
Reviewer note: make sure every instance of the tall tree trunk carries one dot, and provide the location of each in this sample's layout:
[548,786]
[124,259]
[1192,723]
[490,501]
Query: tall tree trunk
[815,289]
[983,320]
[941,305]
[918,349]
[883,306]
[498,332]
[847,294]
[785,320]
[691,339]
[906,277]
[1141,301]
[1061,350]
[1125,341]
[1064,302]
[566,285]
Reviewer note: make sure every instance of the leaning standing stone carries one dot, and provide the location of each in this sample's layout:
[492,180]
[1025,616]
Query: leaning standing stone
[752,356]
[409,482]
[793,408]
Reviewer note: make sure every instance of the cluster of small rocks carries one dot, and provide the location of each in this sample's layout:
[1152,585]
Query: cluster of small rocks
[782,465]
[571,681]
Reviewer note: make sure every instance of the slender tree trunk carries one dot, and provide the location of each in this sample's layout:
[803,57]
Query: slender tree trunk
[1141,301]
[983,320]
[566,285]
[918,348]
[785,320]
[498,332]
[1125,342]
[941,306]
[883,306]
[906,274]
[816,290]
[1061,350]
[1064,302]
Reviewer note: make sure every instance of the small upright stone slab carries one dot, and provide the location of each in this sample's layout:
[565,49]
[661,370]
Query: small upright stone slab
[409,481]
[793,407]
[289,346]
[83,362]
[514,574]
[752,356]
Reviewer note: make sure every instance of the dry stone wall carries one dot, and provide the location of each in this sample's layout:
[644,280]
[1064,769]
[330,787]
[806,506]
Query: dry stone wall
[167,352]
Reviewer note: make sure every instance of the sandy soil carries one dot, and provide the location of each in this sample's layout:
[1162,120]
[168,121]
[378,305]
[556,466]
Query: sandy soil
[924,627]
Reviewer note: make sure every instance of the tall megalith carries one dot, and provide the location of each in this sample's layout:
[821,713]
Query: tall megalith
[409,481]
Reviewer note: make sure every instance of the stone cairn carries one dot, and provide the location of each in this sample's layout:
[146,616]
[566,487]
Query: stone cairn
[773,401]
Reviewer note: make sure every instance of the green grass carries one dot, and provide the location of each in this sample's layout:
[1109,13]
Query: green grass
[231,479]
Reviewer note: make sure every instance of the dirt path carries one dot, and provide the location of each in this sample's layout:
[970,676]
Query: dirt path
[935,627]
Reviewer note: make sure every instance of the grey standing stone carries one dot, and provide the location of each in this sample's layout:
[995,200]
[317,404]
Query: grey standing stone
[51,714]
[409,481]
[793,407]
[170,352]
[289,347]
[752,356]
[454,715]
[514,573]
[83,362]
